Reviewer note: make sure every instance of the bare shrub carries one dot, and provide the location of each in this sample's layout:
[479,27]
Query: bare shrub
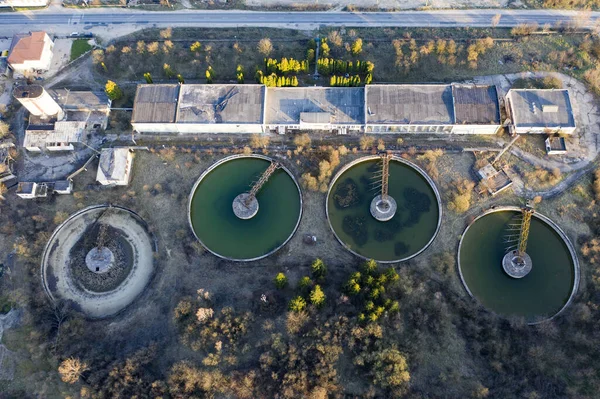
[366,142]
[265,47]
[460,196]
[71,369]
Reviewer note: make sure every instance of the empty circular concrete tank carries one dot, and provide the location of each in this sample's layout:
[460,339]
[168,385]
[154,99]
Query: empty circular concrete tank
[100,259]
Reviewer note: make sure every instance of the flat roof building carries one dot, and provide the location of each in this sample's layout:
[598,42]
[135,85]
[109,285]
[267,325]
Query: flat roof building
[31,190]
[196,108]
[60,137]
[432,108]
[540,111]
[556,145]
[314,108]
[114,168]
[172,108]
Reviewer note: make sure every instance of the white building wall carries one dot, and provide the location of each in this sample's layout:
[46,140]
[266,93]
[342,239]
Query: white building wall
[191,128]
[42,105]
[432,129]
[475,129]
[543,130]
[23,3]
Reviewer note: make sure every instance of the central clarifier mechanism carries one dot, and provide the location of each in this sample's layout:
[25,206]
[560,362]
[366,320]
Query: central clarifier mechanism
[245,205]
[516,263]
[383,206]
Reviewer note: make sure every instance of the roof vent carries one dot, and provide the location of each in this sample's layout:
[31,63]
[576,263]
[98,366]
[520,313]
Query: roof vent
[550,108]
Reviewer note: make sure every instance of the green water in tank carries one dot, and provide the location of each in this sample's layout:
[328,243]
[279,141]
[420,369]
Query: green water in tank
[222,232]
[540,294]
[411,228]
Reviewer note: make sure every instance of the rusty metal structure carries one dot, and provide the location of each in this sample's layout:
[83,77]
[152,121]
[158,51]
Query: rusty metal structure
[261,182]
[385,174]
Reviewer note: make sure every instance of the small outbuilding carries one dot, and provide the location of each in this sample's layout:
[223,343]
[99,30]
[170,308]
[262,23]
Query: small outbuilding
[496,180]
[31,190]
[556,146]
[114,168]
[63,187]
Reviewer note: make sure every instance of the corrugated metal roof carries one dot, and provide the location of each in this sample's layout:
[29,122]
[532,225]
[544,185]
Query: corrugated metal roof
[476,104]
[155,103]
[220,104]
[541,108]
[410,104]
[345,105]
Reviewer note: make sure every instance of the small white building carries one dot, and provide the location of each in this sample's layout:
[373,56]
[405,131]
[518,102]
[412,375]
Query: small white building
[63,187]
[30,53]
[31,190]
[114,168]
[540,111]
[23,3]
[556,146]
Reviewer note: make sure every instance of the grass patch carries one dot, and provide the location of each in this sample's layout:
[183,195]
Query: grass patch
[79,47]
[5,304]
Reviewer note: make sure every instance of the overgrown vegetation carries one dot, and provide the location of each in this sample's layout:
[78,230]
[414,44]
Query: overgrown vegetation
[461,195]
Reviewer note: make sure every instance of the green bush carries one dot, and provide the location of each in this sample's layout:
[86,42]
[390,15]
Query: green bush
[370,267]
[297,304]
[318,269]
[391,275]
[280,281]
[317,296]
[305,283]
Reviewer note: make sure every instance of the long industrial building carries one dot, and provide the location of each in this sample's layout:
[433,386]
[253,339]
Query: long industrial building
[253,108]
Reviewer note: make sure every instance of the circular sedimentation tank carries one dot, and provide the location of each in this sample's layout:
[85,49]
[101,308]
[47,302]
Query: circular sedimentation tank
[234,229]
[368,231]
[536,290]
[100,259]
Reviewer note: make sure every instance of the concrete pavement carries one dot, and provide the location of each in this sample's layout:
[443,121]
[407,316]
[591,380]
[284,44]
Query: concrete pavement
[79,18]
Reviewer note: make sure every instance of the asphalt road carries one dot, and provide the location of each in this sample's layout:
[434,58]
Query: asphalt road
[442,18]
